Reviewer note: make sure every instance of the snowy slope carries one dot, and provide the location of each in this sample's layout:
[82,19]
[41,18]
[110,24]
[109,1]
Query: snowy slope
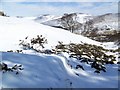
[109,20]
[13,29]
[45,18]
[82,18]
[51,71]
[47,71]
[55,20]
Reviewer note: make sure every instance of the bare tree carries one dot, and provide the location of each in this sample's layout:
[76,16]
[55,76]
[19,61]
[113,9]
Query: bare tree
[94,32]
[87,27]
[69,22]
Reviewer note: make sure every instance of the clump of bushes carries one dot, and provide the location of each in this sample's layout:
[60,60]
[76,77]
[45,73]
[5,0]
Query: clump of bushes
[16,68]
[91,54]
[16,51]
[36,44]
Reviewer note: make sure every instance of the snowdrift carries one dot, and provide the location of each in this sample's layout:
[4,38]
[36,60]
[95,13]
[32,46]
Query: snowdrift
[52,71]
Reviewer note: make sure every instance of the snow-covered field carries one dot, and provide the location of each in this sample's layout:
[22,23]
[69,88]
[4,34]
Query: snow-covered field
[47,71]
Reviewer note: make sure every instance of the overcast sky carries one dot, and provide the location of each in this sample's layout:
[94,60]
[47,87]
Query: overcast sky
[38,7]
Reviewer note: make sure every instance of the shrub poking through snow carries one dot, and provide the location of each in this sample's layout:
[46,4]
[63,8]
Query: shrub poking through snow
[90,54]
[16,51]
[36,44]
[79,66]
[40,40]
[16,68]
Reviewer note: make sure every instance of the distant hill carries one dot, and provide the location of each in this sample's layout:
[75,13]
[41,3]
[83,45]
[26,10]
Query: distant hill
[99,28]
[107,21]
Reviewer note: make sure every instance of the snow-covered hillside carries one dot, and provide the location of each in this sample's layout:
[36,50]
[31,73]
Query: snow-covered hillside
[48,70]
[13,29]
[82,18]
[106,21]
[52,71]
[103,22]
[55,20]
[45,18]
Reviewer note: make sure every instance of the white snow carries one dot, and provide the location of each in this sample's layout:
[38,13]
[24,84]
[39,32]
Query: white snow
[105,25]
[13,29]
[45,18]
[52,71]
[47,71]
[82,18]
[52,20]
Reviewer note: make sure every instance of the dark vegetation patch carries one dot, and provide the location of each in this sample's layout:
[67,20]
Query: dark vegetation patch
[93,55]
[16,68]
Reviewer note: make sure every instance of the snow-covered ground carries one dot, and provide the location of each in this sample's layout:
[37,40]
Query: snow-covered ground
[45,18]
[47,71]
[13,29]
[51,71]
